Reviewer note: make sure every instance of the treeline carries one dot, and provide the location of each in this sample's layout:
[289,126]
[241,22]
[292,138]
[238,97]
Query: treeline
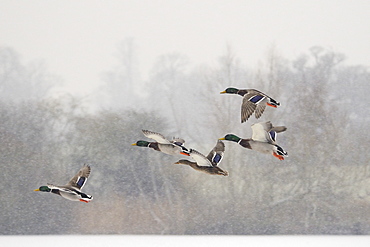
[321,188]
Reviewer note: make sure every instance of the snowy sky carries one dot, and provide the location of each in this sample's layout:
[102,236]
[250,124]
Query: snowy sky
[78,40]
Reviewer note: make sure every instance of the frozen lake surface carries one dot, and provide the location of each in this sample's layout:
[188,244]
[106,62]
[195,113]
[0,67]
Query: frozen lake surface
[170,241]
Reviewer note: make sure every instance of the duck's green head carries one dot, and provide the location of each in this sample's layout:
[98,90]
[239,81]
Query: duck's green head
[43,189]
[231,90]
[141,144]
[231,137]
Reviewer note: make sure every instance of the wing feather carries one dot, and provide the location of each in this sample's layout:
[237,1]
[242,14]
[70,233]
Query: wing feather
[266,132]
[259,110]
[178,141]
[80,179]
[199,158]
[217,153]
[247,108]
[252,103]
[259,132]
[156,136]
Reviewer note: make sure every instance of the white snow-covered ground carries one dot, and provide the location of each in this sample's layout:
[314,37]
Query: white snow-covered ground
[178,241]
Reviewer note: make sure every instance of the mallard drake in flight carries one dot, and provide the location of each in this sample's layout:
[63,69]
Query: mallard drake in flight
[253,101]
[72,190]
[207,164]
[174,147]
[263,139]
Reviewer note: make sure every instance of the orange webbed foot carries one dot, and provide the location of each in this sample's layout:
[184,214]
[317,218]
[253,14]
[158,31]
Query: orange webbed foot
[271,105]
[280,157]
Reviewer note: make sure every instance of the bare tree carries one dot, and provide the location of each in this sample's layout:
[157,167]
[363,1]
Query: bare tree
[19,82]
[122,84]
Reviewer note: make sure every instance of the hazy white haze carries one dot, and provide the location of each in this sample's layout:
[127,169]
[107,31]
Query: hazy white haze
[80,40]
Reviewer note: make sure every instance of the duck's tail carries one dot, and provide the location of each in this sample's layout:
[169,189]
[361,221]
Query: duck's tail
[273,103]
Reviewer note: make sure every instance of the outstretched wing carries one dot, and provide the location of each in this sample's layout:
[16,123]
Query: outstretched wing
[279,129]
[217,153]
[273,135]
[274,130]
[79,180]
[199,158]
[247,109]
[250,104]
[178,141]
[267,126]
[156,136]
[266,132]
[259,110]
[260,132]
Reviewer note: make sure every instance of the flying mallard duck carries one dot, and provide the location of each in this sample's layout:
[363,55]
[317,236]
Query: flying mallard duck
[174,147]
[253,101]
[207,164]
[72,190]
[263,139]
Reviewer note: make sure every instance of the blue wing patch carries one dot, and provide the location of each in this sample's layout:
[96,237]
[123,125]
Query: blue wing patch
[81,181]
[217,158]
[256,99]
[273,135]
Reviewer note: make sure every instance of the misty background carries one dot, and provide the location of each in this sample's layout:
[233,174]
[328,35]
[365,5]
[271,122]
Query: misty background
[49,129]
